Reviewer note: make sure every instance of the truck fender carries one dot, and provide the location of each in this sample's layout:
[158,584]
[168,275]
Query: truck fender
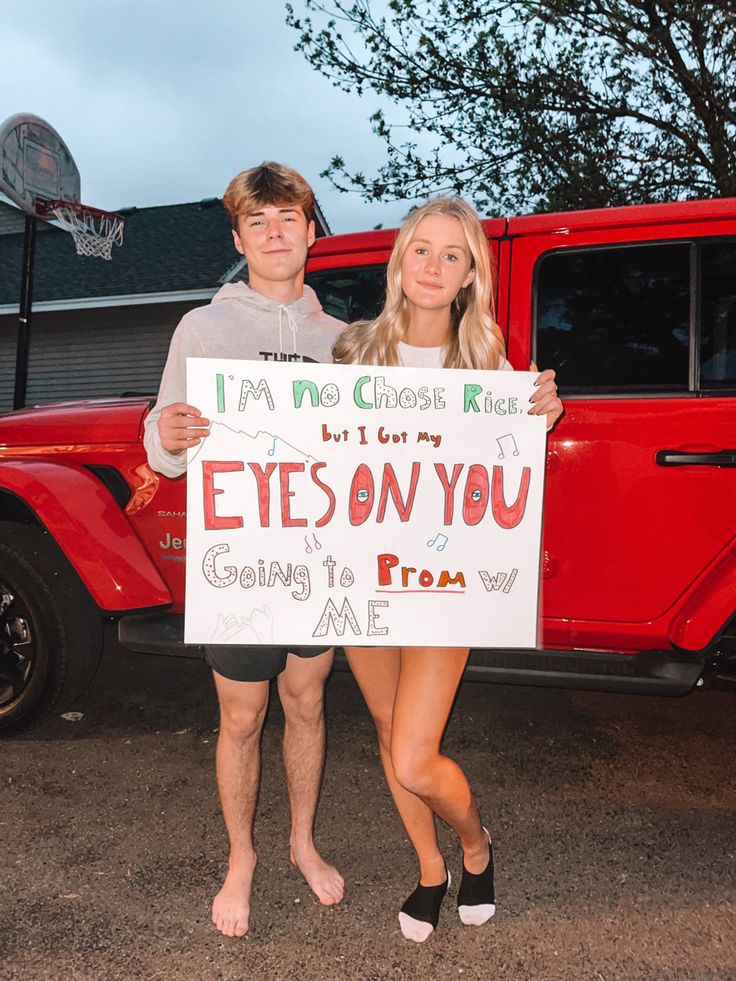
[80,513]
[709,606]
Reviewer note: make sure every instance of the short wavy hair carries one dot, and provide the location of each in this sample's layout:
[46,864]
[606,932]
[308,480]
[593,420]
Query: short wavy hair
[268,184]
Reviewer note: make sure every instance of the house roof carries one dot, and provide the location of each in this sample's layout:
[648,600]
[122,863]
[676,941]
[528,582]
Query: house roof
[166,249]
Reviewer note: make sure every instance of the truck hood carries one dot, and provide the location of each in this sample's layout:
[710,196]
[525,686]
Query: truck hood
[89,421]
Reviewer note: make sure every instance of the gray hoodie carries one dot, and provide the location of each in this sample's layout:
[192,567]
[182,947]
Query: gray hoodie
[238,323]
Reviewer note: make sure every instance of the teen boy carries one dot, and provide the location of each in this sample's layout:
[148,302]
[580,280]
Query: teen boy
[276,317]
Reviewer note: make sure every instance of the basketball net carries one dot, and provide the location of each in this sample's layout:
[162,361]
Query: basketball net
[94,231]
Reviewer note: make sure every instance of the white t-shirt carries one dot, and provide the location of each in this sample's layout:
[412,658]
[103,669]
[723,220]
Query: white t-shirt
[431,357]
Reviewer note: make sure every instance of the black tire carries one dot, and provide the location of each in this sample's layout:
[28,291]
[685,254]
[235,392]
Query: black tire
[50,629]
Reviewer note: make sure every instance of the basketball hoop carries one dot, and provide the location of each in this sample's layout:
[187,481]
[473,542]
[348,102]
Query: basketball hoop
[39,175]
[94,231]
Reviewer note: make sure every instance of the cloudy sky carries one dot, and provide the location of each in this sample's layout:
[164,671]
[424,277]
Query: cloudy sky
[163,102]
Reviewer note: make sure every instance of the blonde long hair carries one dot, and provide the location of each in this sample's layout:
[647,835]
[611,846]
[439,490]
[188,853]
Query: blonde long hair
[475,339]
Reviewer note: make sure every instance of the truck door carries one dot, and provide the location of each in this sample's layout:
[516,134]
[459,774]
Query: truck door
[640,324]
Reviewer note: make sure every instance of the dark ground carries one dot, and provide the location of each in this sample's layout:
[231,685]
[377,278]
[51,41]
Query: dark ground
[614,820]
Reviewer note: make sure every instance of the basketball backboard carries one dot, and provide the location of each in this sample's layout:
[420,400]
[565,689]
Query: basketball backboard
[35,163]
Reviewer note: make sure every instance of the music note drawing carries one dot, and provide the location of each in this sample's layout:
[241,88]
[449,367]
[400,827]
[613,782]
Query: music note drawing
[510,436]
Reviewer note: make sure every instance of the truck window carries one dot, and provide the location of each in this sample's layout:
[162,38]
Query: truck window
[350,294]
[615,319]
[718,315]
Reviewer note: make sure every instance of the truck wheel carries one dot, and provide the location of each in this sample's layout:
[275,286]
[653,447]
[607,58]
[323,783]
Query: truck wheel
[50,629]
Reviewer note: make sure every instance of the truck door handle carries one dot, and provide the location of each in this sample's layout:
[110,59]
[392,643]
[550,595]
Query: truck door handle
[677,458]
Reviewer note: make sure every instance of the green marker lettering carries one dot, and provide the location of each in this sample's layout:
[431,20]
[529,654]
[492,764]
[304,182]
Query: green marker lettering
[471,393]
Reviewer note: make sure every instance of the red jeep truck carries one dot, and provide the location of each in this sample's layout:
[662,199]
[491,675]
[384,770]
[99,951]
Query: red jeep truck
[636,310]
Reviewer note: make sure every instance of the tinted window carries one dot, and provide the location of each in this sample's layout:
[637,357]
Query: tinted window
[615,319]
[718,315]
[350,294]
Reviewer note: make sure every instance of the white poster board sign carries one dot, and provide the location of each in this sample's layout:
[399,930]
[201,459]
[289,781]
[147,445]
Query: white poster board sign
[363,505]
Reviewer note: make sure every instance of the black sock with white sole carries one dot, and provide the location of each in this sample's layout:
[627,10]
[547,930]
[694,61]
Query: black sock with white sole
[421,911]
[476,902]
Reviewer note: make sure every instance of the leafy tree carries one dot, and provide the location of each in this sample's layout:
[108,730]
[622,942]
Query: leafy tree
[541,104]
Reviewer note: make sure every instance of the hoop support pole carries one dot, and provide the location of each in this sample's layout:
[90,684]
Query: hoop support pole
[24,318]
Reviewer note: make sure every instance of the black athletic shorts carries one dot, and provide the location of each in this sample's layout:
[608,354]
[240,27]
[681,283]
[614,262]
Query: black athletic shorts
[254,663]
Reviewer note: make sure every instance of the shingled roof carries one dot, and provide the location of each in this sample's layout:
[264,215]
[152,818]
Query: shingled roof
[166,249]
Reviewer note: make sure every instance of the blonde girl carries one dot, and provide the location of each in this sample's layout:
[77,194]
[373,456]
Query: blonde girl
[438,313]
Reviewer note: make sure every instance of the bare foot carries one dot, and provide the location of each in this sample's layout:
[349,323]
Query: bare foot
[325,881]
[231,906]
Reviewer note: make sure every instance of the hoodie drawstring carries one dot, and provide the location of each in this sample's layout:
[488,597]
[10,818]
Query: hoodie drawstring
[294,327]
